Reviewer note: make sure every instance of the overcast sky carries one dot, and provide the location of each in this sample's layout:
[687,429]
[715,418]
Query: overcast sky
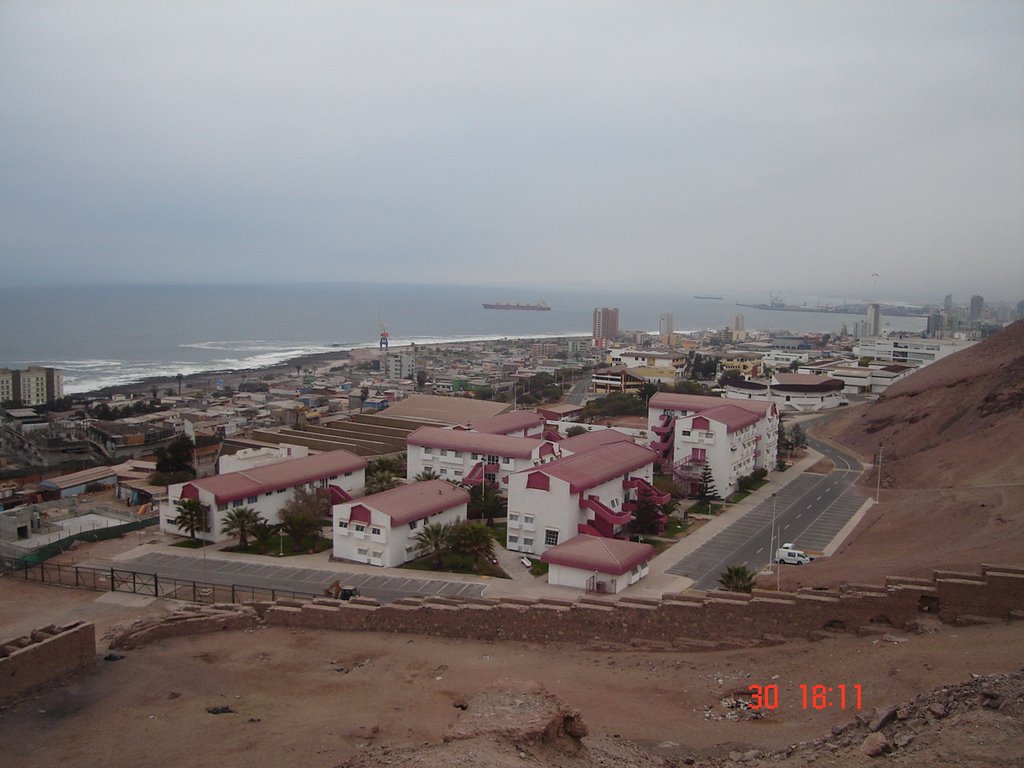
[794,146]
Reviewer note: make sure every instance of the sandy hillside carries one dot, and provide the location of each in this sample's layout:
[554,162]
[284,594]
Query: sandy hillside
[952,441]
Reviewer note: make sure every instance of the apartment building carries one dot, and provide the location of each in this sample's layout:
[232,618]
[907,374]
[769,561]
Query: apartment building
[589,493]
[381,529]
[31,386]
[733,437]
[470,457]
[266,489]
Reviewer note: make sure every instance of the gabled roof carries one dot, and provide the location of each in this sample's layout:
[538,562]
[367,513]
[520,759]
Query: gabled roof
[414,501]
[283,474]
[699,403]
[588,470]
[732,416]
[594,439]
[445,410]
[475,442]
[504,423]
[596,553]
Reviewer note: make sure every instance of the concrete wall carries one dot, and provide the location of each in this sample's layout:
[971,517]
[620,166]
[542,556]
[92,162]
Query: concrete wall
[44,656]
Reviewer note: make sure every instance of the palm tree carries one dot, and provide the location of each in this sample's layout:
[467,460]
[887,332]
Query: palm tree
[300,526]
[473,540]
[380,480]
[737,578]
[263,529]
[241,522]
[434,537]
[427,474]
[487,502]
[191,517]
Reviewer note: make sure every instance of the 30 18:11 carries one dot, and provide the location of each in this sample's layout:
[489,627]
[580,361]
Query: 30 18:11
[811,696]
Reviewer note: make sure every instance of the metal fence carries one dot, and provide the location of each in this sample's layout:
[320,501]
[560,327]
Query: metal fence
[150,584]
[58,547]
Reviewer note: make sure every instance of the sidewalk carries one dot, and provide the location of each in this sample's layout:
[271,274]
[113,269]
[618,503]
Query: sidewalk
[658,582]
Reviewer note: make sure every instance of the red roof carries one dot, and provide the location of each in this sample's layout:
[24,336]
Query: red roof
[590,469]
[732,416]
[475,442]
[284,474]
[698,403]
[593,439]
[597,553]
[414,501]
[503,424]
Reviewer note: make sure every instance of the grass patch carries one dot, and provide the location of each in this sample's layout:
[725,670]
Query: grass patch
[701,508]
[738,496]
[539,568]
[675,528]
[500,531]
[277,545]
[453,562]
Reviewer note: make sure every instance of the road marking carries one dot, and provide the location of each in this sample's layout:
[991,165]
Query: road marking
[809,506]
[818,499]
[759,551]
[785,526]
[798,516]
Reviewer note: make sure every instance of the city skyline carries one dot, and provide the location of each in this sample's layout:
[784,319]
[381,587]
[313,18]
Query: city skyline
[868,150]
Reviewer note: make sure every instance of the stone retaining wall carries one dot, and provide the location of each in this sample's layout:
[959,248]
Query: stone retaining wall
[44,656]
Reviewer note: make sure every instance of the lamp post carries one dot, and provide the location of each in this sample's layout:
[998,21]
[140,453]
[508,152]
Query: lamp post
[771,547]
[878,480]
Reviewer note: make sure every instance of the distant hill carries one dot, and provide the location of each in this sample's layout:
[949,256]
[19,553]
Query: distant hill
[952,442]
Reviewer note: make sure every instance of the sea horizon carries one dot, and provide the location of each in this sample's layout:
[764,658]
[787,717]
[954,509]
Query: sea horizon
[117,335]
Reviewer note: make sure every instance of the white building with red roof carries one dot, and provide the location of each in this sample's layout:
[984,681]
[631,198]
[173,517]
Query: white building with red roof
[381,529]
[597,564]
[733,437]
[266,489]
[590,492]
[514,423]
[464,456]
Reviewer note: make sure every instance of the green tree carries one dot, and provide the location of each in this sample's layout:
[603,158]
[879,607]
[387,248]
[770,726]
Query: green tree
[485,501]
[577,430]
[176,457]
[427,474]
[262,530]
[474,541]
[648,515]
[380,480]
[180,377]
[708,491]
[315,504]
[192,516]
[737,578]
[421,379]
[797,437]
[240,522]
[433,538]
[301,527]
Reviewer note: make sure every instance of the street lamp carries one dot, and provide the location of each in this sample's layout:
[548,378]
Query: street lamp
[878,480]
[771,547]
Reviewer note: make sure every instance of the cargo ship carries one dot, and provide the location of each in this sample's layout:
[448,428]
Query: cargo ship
[540,306]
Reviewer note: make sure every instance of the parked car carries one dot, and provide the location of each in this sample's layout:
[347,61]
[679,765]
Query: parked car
[787,553]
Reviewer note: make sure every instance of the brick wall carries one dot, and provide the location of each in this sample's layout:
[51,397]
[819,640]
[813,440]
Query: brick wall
[44,656]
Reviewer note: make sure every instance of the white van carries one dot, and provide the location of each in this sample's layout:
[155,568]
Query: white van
[787,554]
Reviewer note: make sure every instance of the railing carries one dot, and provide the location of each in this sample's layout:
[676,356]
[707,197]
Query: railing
[150,584]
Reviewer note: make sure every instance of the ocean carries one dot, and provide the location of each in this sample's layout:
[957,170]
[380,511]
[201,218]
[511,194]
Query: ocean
[118,334]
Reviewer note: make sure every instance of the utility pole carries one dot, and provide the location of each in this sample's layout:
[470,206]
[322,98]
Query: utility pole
[878,480]
[772,548]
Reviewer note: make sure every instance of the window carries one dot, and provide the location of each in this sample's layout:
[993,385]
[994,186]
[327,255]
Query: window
[444,471]
[413,524]
[237,503]
[513,517]
[343,523]
[527,519]
[348,474]
[686,432]
[444,451]
[221,507]
[458,454]
[458,473]
[428,451]
[375,531]
[269,493]
[252,499]
[475,456]
[362,551]
[513,539]
[528,543]
[334,477]
[360,528]
[550,538]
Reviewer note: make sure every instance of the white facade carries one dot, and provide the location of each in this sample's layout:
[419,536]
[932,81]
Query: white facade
[734,438]
[461,456]
[371,531]
[548,505]
[640,358]
[566,576]
[250,458]
[910,350]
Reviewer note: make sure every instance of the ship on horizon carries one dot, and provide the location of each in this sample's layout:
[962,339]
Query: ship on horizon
[709,298]
[540,306]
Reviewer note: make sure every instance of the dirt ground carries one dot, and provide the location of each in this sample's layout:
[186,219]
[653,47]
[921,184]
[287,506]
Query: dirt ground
[322,697]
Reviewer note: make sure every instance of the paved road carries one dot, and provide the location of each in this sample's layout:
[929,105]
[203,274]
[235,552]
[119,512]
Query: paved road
[579,392]
[385,587]
[809,511]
